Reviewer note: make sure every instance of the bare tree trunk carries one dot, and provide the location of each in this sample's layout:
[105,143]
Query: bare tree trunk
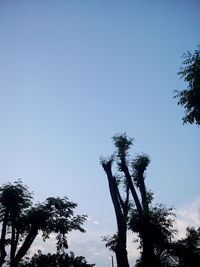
[12,245]
[132,188]
[3,239]
[120,249]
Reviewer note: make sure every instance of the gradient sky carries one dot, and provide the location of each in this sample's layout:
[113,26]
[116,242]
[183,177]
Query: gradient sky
[75,72]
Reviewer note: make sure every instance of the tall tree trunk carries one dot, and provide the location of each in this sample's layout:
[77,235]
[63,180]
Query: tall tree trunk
[3,239]
[148,255]
[14,242]
[120,250]
[12,245]
[143,192]
[132,188]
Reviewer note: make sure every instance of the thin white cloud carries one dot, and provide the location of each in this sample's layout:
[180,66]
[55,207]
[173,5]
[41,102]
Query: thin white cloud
[188,215]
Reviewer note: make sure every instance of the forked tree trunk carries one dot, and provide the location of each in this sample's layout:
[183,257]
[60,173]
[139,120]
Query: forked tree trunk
[120,249]
[24,248]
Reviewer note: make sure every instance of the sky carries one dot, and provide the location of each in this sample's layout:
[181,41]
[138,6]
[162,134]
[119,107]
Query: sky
[74,73]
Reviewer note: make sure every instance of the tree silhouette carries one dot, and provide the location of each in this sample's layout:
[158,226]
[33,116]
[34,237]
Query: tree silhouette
[161,232]
[131,174]
[121,205]
[186,251]
[21,222]
[14,201]
[55,260]
[190,98]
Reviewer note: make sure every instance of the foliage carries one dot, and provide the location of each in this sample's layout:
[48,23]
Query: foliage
[190,98]
[55,260]
[186,251]
[14,198]
[139,165]
[110,241]
[123,144]
[182,253]
[21,222]
[161,225]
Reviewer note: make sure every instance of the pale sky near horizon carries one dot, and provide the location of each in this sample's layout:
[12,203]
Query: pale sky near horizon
[74,73]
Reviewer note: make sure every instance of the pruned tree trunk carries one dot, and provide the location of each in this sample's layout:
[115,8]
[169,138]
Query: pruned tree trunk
[132,189]
[120,249]
[123,144]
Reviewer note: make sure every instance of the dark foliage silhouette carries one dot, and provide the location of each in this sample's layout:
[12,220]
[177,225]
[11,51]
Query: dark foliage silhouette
[186,251]
[55,260]
[161,232]
[190,98]
[21,221]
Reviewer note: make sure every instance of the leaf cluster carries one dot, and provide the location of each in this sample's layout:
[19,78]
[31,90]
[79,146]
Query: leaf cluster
[110,241]
[55,260]
[139,165]
[122,143]
[15,199]
[190,98]
[186,251]
[160,229]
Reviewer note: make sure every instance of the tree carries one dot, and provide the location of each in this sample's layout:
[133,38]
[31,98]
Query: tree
[55,260]
[186,251]
[121,205]
[190,98]
[21,222]
[161,232]
[14,201]
[131,174]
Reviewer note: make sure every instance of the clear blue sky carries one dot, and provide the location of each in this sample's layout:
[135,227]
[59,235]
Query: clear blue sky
[74,73]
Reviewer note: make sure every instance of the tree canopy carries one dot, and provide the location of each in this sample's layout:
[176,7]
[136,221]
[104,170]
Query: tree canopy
[21,221]
[190,98]
[55,260]
[186,251]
